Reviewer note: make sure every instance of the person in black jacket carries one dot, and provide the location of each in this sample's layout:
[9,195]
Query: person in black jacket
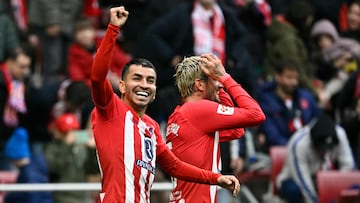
[179,33]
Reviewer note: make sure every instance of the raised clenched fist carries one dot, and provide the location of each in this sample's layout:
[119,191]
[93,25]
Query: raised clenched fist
[118,16]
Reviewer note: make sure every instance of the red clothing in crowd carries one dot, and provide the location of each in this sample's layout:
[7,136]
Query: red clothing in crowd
[80,61]
[196,128]
[128,145]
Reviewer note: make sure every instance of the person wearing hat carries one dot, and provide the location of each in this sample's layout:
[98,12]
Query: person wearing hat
[17,149]
[31,168]
[320,145]
[68,158]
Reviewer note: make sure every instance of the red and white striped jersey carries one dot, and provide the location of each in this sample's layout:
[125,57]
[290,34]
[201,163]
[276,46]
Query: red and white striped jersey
[127,146]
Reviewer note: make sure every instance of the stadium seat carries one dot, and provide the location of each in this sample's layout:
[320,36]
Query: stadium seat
[277,158]
[7,177]
[330,184]
[349,196]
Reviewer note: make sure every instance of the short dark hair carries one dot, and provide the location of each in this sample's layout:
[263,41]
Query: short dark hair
[82,24]
[355,2]
[297,12]
[14,53]
[286,64]
[77,93]
[136,61]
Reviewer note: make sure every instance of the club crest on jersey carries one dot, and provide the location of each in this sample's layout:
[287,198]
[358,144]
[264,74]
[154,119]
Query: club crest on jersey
[225,110]
[149,150]
[149,132]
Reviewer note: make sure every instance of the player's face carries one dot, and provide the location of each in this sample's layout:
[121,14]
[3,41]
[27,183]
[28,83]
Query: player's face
[212,90]
[138,87]
[288,81]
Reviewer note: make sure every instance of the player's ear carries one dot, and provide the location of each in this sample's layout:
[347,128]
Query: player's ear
[199,85]
[154,96]
[122,87]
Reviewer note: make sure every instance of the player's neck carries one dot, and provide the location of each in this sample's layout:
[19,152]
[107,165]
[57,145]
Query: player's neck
[194,97]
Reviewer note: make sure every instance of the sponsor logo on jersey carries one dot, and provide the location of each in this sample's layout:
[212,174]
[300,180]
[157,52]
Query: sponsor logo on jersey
[145,165]
[149,150]
[225,110]
[173,128]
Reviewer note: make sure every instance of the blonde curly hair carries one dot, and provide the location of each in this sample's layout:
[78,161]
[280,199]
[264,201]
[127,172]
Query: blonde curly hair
[187,71]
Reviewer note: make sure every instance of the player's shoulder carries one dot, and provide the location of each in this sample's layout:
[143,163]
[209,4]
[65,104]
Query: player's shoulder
[150,121]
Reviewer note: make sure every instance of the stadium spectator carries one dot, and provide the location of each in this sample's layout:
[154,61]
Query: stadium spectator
[285,38]
[352,28]
[9,39]
[12,95]
[195,28]
[73,97]
[32,168]
[350,122]
[82,51]
[335,59]
[52,22]
[67,155]
[320,145]
[347,98]
[287,106]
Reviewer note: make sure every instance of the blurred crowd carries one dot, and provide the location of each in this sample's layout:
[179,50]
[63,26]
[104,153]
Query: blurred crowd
[299,58]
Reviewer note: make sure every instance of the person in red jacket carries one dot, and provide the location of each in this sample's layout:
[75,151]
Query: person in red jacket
[206,118]
[128,142]
[82,51]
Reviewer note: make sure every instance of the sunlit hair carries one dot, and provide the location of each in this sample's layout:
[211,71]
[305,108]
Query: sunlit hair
[187,71]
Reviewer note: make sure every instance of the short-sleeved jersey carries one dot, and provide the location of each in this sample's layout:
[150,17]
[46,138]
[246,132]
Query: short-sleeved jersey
[127,146]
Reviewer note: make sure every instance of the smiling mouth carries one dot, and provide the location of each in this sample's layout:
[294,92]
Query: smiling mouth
[142,94]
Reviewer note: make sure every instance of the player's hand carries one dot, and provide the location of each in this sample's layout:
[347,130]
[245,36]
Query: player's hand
[212,66]
[118,16]
[229,182]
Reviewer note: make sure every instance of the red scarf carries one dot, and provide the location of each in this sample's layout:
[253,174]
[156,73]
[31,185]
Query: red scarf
[209,31]
[16,99]
[20,13]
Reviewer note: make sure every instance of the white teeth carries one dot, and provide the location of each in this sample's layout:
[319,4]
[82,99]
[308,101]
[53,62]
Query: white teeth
[145,94]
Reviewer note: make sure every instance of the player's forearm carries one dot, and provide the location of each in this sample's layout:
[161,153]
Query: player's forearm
[102,60]
[181,170]
[225,98]
[101,88]
[243,99]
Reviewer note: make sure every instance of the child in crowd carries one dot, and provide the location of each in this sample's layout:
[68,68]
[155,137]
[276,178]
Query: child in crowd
[82,51]
[335,58]
[69,155]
